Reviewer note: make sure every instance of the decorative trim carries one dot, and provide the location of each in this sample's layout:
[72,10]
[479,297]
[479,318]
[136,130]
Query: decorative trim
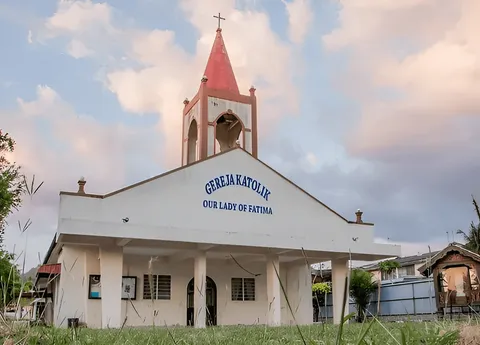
[455,257]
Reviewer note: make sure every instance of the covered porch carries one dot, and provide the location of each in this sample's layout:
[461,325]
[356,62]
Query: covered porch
[238,284]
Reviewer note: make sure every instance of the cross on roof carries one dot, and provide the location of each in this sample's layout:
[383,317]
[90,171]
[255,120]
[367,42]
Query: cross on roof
[219,17]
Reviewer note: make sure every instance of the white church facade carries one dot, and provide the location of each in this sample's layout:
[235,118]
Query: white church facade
[222,240]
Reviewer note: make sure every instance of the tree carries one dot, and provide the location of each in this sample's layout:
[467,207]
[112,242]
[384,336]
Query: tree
[388,266]
[13,186]
[362,285]
[10,280]
[319,292]
[472,238]
[11,183]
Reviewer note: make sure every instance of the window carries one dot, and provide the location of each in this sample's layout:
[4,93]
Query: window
[389,276]
[402,272]
[410,270]
[406,271]
[156,286]
[243,289]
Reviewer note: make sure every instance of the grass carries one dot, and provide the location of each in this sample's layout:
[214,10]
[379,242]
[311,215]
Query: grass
[430,333]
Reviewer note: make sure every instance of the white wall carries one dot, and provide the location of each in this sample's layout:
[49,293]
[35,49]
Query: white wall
[153,208]
[216,106]
[174,311]
[141,312]
[73,285]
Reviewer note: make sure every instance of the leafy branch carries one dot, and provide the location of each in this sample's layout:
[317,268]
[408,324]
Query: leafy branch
[472,237]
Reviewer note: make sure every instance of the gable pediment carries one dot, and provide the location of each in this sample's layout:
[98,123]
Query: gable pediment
[233,181]
[231,193]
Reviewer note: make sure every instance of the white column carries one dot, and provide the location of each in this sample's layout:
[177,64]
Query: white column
[34,313]
[200,288]
[111,271]
[299,293]
[71,285]
[339,273]
[274,291]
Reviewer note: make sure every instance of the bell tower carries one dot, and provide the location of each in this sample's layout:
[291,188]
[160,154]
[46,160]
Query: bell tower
[218,117]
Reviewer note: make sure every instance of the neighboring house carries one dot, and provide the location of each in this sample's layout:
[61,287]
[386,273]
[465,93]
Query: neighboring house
[455,275]
[409,266]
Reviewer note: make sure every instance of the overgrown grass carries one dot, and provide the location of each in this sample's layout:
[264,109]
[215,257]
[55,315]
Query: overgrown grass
[382,334]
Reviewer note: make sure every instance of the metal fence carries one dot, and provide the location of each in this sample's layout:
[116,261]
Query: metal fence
[396,299]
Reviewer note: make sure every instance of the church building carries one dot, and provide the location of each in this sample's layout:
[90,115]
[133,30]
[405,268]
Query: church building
[222,240]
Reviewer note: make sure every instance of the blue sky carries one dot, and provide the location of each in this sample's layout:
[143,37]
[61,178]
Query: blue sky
[354,106]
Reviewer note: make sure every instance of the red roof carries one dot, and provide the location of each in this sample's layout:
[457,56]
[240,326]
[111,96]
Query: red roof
[219,71]
[50,269]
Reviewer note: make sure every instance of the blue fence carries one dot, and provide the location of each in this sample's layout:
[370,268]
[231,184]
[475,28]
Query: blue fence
[396,299]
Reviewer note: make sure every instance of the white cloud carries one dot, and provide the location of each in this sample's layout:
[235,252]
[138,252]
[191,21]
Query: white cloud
[78,50]
[168,74]
[415,78]
[311,159]
[86,25]
[300,16]
[78,16]
[59,145]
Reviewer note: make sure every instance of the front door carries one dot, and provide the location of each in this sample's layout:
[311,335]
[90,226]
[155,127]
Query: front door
[211,299]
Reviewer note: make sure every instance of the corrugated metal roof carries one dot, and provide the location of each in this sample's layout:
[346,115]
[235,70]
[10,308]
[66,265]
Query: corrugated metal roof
[404,261]
[52,269]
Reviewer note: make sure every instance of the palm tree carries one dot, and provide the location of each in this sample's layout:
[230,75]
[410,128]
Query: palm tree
[472,238]
[362,285]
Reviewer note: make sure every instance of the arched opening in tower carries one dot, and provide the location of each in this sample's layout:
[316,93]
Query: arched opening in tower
[192,142]
[229,130]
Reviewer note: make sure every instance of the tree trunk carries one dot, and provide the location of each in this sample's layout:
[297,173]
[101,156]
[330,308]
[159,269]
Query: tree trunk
[378,296]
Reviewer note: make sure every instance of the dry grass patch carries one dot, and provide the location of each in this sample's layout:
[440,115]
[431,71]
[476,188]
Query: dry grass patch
[469,335]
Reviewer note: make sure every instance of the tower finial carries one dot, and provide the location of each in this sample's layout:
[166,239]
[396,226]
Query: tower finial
[219,17]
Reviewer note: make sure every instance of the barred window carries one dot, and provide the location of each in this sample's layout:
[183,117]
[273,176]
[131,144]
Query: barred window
[410,270]
[389,275]
[243,289]
[157,286]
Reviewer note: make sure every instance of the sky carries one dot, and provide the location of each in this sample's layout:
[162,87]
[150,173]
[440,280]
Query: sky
[366,104]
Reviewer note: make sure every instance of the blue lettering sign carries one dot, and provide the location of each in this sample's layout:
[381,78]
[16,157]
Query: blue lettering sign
[237,180]
[233,206]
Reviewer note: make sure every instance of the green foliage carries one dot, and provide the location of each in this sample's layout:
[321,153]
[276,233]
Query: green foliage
[472,238]
[388,266]
[11,182]
[362,286]
[318,293]
[11,283]
[321,288]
